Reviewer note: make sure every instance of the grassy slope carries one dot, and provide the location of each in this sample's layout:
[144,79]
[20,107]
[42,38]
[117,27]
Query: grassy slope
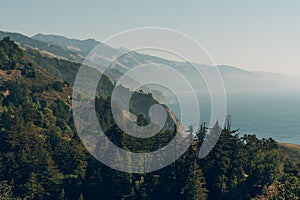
[292,151]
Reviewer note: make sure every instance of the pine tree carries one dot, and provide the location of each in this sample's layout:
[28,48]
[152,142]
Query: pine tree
[5,191]
[62,195]
[199,192]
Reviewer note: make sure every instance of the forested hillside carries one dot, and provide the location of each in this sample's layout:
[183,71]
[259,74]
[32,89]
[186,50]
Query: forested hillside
[42,157]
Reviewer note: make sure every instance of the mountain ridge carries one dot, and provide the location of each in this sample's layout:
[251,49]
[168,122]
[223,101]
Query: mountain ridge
[42,156]
[75,50]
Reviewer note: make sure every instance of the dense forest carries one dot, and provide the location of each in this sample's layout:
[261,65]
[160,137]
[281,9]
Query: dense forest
[42,157]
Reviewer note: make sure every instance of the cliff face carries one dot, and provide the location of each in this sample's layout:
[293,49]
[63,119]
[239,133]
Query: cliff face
[141,103]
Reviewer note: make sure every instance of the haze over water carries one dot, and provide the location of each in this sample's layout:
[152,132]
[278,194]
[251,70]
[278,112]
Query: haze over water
[267,114]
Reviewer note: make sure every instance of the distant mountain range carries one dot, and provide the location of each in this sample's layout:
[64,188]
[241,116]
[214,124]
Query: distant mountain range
[75,50]
[43,156]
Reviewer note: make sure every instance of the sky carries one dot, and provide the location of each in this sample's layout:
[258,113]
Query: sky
[255,35]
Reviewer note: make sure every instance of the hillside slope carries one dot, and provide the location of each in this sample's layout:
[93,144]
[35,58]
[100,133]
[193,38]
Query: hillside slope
[292,151]
[45,48]
[42,156]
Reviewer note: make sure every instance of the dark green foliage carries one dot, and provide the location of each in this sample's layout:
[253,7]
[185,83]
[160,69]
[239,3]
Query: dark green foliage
[58,86]
[244,167]
[29,71]
[42,157]
[25,41]
[6,191]
[62,69]
[66,71]
[10,55]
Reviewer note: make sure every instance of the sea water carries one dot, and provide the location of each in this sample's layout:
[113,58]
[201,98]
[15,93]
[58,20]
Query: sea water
[267,114]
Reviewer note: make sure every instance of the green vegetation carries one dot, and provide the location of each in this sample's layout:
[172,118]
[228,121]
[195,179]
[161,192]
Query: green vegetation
[65,70]
[48,49]
[42,157]
[10,55]
[292,151]
[246,167]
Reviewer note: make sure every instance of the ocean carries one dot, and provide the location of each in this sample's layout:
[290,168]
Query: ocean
[266,114]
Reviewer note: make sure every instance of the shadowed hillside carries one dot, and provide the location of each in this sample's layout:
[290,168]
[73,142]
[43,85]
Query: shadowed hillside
[42,156]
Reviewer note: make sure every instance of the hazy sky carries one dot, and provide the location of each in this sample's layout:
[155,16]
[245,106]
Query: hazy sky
[259,35]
